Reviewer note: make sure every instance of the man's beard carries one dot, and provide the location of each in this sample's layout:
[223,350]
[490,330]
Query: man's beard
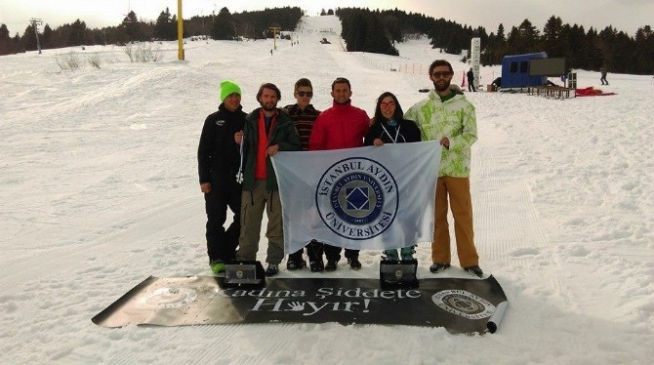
[269,107]
[440,87]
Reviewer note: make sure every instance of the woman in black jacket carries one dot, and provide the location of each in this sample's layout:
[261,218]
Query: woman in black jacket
[388,126]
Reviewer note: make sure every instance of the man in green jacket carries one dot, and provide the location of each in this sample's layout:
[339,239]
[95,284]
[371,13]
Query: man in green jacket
[449,118]
[267,130]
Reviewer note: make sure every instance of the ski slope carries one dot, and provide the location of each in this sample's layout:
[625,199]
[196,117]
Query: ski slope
[99,190]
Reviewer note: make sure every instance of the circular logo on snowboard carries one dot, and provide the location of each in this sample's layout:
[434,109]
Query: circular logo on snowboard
[464,304]
[357,198]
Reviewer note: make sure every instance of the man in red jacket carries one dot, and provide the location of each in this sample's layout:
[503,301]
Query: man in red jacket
[341,126]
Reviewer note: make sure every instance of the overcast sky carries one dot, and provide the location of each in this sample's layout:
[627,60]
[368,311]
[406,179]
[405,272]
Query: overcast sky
[624,15]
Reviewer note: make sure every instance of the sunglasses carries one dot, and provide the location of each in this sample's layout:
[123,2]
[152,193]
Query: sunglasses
[390,104]
[305,93]
[443,74]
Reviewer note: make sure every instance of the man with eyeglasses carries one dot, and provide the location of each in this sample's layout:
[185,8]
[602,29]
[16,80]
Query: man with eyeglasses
[303,115]
[341,126]
[449,118]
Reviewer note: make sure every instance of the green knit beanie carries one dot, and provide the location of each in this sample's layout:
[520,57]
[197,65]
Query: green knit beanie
[227,88]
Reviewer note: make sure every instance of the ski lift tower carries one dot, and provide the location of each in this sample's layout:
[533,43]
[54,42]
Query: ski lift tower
[275,31]
[35,25]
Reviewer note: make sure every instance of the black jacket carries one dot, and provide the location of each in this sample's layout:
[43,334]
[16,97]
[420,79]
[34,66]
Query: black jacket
[409,132]
[218,154]
[283,133]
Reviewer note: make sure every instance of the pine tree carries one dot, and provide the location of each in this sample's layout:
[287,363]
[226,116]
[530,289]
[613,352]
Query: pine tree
[132,28]
[644,56]
[77,34]
[500,37]
[165,28]
[552,40]
[46,41]
[575,41]
[223,26]
[6,46]
[28,40]
[356,34]
[591,56]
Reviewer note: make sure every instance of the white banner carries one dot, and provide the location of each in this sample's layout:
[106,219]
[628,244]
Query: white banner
[367,198]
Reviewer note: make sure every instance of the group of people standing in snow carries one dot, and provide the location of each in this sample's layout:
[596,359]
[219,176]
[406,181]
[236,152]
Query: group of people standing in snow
[236,173]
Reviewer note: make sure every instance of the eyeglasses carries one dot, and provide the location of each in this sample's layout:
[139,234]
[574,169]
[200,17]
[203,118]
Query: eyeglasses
[443,74]
[390,104]
[305,93]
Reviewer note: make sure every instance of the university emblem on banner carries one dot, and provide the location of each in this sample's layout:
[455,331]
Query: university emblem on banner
[464,304]
[357,198]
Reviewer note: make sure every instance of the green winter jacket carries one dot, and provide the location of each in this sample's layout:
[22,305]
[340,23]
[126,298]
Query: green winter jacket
[455,119]
[283,134]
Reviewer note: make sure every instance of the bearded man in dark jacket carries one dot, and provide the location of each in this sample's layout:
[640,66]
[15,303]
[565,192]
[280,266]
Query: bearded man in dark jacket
[267,130]
[218,163]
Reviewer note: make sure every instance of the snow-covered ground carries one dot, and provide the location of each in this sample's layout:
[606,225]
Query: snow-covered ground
[99,190]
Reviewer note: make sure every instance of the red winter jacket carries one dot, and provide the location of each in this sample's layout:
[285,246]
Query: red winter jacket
[341,126]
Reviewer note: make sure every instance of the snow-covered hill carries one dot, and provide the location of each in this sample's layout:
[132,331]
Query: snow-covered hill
[99,190]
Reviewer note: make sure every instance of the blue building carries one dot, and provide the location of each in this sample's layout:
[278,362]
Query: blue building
[515,71]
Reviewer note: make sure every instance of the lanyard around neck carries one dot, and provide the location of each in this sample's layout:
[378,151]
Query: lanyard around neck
[397,132]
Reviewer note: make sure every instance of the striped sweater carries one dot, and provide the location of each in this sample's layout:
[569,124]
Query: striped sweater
[303,120]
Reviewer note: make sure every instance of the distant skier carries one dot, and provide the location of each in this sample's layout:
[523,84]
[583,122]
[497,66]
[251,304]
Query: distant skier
[603,78]
[471,80]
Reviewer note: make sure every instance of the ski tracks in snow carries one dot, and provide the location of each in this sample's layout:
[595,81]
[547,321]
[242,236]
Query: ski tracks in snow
[511,213]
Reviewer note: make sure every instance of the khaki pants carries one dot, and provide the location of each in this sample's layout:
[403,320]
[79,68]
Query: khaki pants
[458,190]
[253,204]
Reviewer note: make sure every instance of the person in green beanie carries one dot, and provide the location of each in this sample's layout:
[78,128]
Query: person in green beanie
[218,164]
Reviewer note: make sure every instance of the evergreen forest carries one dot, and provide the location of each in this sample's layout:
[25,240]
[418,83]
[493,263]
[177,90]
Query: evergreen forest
[364,30]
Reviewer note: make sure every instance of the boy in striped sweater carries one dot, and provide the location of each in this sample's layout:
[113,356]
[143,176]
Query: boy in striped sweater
[303,115]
